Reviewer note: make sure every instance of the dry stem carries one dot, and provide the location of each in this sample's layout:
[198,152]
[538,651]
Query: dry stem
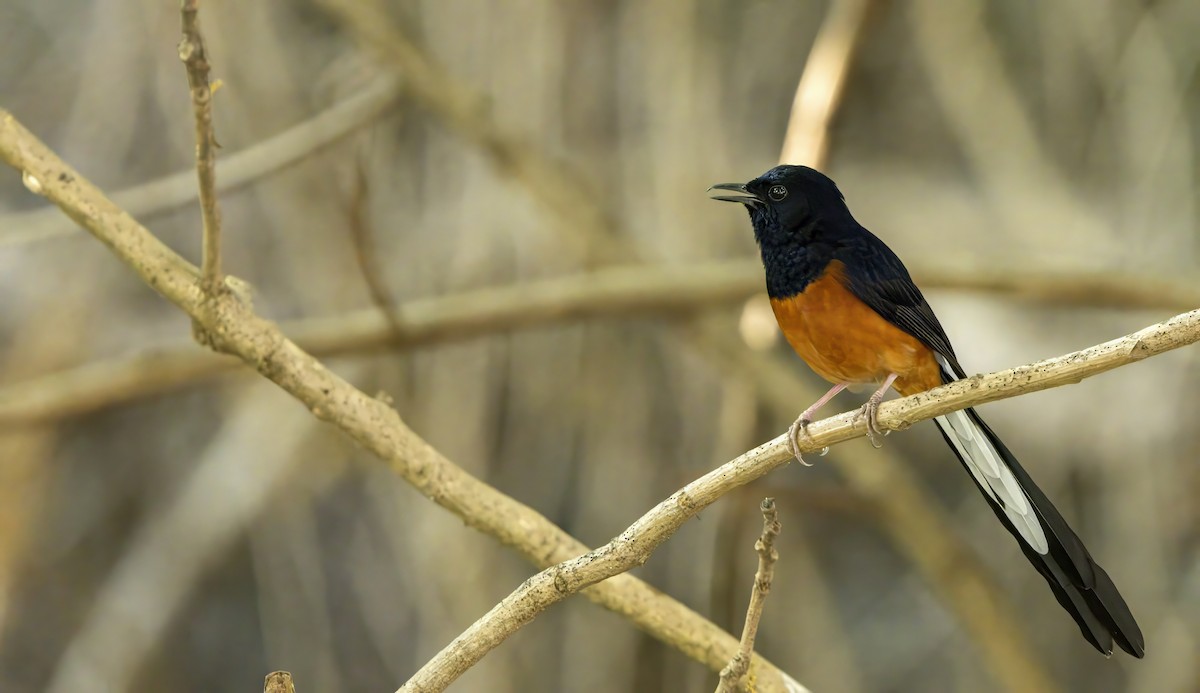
[195,60]
[732,676]
[358,220]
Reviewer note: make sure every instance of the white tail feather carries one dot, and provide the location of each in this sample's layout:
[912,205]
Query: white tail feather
[991,473]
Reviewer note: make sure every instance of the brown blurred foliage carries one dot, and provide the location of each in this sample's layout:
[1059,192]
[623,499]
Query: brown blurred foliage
[197,540]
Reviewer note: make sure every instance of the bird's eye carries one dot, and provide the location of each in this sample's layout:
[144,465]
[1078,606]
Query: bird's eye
[777,192]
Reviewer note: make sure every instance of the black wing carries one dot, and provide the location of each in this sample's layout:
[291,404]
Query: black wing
[879,279]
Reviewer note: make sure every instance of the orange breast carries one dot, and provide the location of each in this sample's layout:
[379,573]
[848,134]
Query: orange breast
[845,341]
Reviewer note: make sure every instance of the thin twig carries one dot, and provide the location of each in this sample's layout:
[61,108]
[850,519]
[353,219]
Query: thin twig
[361,233]
[732,676]
[617,292]
[634,546]
[239,169]
[367,420]
[195,61]
[279,682]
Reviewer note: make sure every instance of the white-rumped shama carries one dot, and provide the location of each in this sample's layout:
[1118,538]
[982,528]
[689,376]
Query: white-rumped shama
[848,307]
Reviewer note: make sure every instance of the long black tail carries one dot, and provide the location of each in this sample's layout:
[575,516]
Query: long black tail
[1079,583]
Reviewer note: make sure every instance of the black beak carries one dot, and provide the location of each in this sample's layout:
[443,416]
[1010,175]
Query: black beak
[744,197]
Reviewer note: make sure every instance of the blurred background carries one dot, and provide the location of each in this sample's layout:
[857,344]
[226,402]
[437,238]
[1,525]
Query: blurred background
[168,524]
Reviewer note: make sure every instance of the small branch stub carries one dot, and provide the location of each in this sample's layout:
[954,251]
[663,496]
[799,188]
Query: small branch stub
[279,682]
[733,676]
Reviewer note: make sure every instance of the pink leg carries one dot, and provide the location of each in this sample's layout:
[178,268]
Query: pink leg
[797,428]
[870,410]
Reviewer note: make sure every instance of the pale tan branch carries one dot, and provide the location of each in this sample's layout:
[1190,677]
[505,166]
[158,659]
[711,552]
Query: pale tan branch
[823,82]
[634,546]
[238,169]
[615,292]
[732,675]
[195,60]
[622,291]
[372,423]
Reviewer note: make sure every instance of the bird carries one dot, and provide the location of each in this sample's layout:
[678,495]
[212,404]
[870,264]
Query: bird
[848,307]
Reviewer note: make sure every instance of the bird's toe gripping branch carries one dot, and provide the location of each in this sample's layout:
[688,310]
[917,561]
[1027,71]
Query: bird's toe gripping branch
[870,412]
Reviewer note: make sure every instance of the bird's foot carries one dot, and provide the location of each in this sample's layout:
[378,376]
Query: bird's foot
[870,412]
[798,430]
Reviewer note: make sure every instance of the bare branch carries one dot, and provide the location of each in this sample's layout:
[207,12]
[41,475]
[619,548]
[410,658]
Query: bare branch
[195,60]
[238,170]
[606,293]
[621,291]
[732,676]
[372,423]
[634,546]
[358,221]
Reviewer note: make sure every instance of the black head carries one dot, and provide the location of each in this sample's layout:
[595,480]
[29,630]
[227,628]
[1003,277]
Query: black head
[788,201]
[799,218]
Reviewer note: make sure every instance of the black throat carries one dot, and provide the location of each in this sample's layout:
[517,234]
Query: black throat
[792,258]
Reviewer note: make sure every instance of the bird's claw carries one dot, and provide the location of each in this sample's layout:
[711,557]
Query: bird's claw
[870,412]
[799,428]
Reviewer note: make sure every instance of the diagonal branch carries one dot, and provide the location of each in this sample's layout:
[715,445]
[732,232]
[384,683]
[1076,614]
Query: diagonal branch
[370,422]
